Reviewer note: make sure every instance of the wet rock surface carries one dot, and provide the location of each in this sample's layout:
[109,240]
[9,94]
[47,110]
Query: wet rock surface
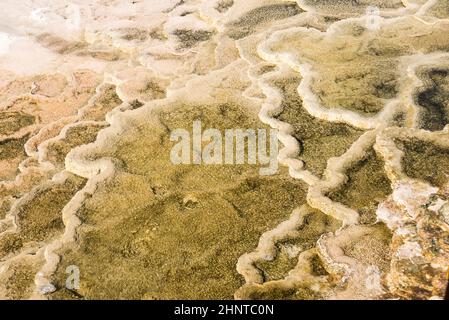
[91,94]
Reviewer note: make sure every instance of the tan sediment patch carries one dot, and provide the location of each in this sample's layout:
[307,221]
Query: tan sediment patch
[19,285]
[12,153]
[134,34]
[190,38]
[175,231]
[372,249]
[440,9]
[224,5]
[308,280]
[105,101]
[425,161]
[5,205]
[75,135]
[285,264]
[358,255]
[336,176]
[11,122]
[39,214]
[140,84]
[347,8]
[17,275]
[278,268]
[256,18]
[389,143]
[11,190]
[367,185]
[320,140]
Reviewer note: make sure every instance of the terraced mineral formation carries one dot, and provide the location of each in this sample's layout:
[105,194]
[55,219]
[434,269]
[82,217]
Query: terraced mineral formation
[91,92]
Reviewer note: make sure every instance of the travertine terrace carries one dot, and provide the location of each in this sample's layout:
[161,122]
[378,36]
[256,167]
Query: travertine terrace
[90,92]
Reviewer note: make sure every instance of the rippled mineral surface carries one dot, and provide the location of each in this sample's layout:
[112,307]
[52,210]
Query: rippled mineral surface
[92,207]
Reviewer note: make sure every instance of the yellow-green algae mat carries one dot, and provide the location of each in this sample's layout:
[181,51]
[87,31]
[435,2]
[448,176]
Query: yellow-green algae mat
[162,231]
